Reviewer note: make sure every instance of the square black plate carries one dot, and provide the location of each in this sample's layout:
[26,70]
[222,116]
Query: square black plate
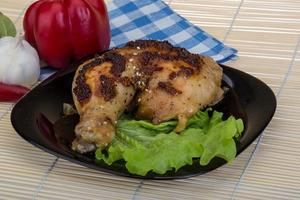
[37,117]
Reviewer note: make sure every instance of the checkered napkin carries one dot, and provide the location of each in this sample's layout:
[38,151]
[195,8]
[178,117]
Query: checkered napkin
[153,19]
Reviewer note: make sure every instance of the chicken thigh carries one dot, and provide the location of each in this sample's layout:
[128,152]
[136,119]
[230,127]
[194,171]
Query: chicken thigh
[167,82]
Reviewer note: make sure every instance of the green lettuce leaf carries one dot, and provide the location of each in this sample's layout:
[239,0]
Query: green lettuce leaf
[147,147]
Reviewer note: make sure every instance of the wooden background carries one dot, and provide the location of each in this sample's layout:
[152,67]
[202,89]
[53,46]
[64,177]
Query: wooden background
[267,35]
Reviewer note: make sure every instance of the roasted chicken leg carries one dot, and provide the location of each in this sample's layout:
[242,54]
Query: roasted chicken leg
[166,82]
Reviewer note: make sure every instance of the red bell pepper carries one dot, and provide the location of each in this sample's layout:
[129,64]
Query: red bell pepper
[66,30]
[10,93]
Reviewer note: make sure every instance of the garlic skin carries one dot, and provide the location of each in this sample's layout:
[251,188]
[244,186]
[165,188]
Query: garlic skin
[19,62]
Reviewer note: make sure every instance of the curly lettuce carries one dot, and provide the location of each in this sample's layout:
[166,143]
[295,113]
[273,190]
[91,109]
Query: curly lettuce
[147,147]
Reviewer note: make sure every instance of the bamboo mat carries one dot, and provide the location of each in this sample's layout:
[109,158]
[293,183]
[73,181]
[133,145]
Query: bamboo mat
[267,35]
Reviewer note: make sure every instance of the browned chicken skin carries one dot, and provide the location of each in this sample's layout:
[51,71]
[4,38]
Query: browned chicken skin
[168,82]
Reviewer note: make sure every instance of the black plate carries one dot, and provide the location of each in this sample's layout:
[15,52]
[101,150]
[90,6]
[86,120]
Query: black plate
[37,117]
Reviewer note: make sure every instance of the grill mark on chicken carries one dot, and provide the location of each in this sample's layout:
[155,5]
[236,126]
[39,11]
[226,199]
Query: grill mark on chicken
[168,87]
[107,87]
[195,61]
[185,71]
[150,69]
[118,63]
[173,53]
[163,45]
[82,90]
[126,81]
[172,75]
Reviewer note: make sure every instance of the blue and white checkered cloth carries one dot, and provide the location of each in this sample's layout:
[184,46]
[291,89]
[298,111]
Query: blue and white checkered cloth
[153,19]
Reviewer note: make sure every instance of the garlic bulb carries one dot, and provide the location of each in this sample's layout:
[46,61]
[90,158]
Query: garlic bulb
[19,62]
